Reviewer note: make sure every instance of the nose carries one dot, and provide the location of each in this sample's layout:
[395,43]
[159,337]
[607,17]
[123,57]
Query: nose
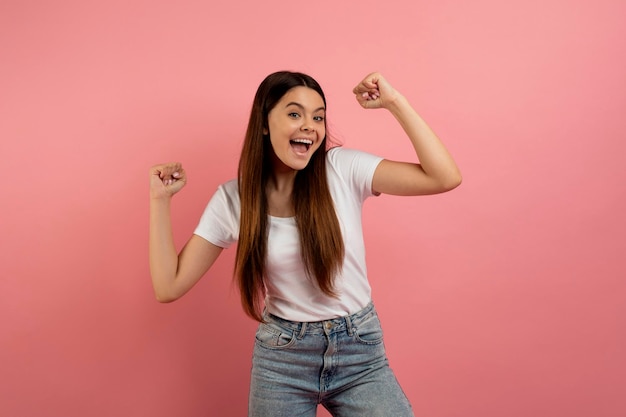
[307,126]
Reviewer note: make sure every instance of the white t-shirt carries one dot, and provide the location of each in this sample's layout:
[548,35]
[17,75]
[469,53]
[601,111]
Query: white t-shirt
[290,293]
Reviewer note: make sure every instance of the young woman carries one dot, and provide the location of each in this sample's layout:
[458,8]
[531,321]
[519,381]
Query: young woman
[295,213]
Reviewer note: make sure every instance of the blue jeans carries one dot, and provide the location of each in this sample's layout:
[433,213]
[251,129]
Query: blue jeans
[339,363]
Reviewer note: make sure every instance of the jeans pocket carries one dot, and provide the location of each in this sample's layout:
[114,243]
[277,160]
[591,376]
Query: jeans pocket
[271,336]
[369,331]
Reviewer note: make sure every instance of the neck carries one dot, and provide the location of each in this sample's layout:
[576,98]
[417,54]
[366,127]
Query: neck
[281,181]
[282,178]
[279,189]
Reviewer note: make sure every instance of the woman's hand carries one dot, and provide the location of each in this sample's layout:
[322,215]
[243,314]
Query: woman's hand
[375,92]
[433,171]
[166,180]
[173,274]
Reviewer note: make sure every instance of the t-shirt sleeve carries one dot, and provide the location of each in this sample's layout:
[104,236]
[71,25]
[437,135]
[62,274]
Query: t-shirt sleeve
[356,168]
[219,223]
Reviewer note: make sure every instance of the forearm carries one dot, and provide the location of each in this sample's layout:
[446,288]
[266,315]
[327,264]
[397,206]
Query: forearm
[434,158]
[163,256]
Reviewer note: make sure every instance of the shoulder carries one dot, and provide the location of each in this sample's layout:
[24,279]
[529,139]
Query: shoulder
[352,160]
[219,223]
[230,187]
[227,196]
[352,169]
[339,153]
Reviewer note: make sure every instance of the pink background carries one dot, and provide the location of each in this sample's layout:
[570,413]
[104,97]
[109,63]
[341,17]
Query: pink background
[505,297]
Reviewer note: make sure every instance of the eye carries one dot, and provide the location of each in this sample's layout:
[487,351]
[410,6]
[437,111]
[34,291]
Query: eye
[318,118]
[294,115]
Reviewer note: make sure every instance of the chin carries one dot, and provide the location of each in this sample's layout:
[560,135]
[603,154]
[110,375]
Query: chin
[299,166]
[298,163]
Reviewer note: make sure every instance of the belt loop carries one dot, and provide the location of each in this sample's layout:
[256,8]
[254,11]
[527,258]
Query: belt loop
[302,330]
[349,325]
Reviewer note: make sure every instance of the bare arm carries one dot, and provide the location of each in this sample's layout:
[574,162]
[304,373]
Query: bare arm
[436,171]
[173,274]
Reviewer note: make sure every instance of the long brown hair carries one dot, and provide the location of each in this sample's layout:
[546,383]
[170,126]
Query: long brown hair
[322,246]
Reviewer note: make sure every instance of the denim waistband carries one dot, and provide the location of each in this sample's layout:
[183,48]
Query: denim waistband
[345,323]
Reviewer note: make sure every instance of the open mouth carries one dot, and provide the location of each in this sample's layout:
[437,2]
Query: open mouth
[301,145]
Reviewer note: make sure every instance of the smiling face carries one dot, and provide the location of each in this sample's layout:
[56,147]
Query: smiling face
[297,127]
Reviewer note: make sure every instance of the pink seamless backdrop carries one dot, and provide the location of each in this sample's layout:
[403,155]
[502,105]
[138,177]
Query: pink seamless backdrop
[504,297]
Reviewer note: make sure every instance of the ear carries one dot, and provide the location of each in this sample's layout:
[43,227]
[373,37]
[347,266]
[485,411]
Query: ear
[265,131]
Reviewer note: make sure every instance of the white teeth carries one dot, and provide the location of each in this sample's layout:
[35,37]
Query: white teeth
[306,141]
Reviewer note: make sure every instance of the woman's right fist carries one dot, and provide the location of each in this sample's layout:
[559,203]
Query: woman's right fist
[166,180]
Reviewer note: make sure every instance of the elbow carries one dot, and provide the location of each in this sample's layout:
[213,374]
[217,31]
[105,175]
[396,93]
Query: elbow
[165,300]
[449,182]
[164,297]
[453,182]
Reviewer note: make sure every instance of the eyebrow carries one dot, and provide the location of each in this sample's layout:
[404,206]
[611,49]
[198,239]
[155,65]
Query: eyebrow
[293,103]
